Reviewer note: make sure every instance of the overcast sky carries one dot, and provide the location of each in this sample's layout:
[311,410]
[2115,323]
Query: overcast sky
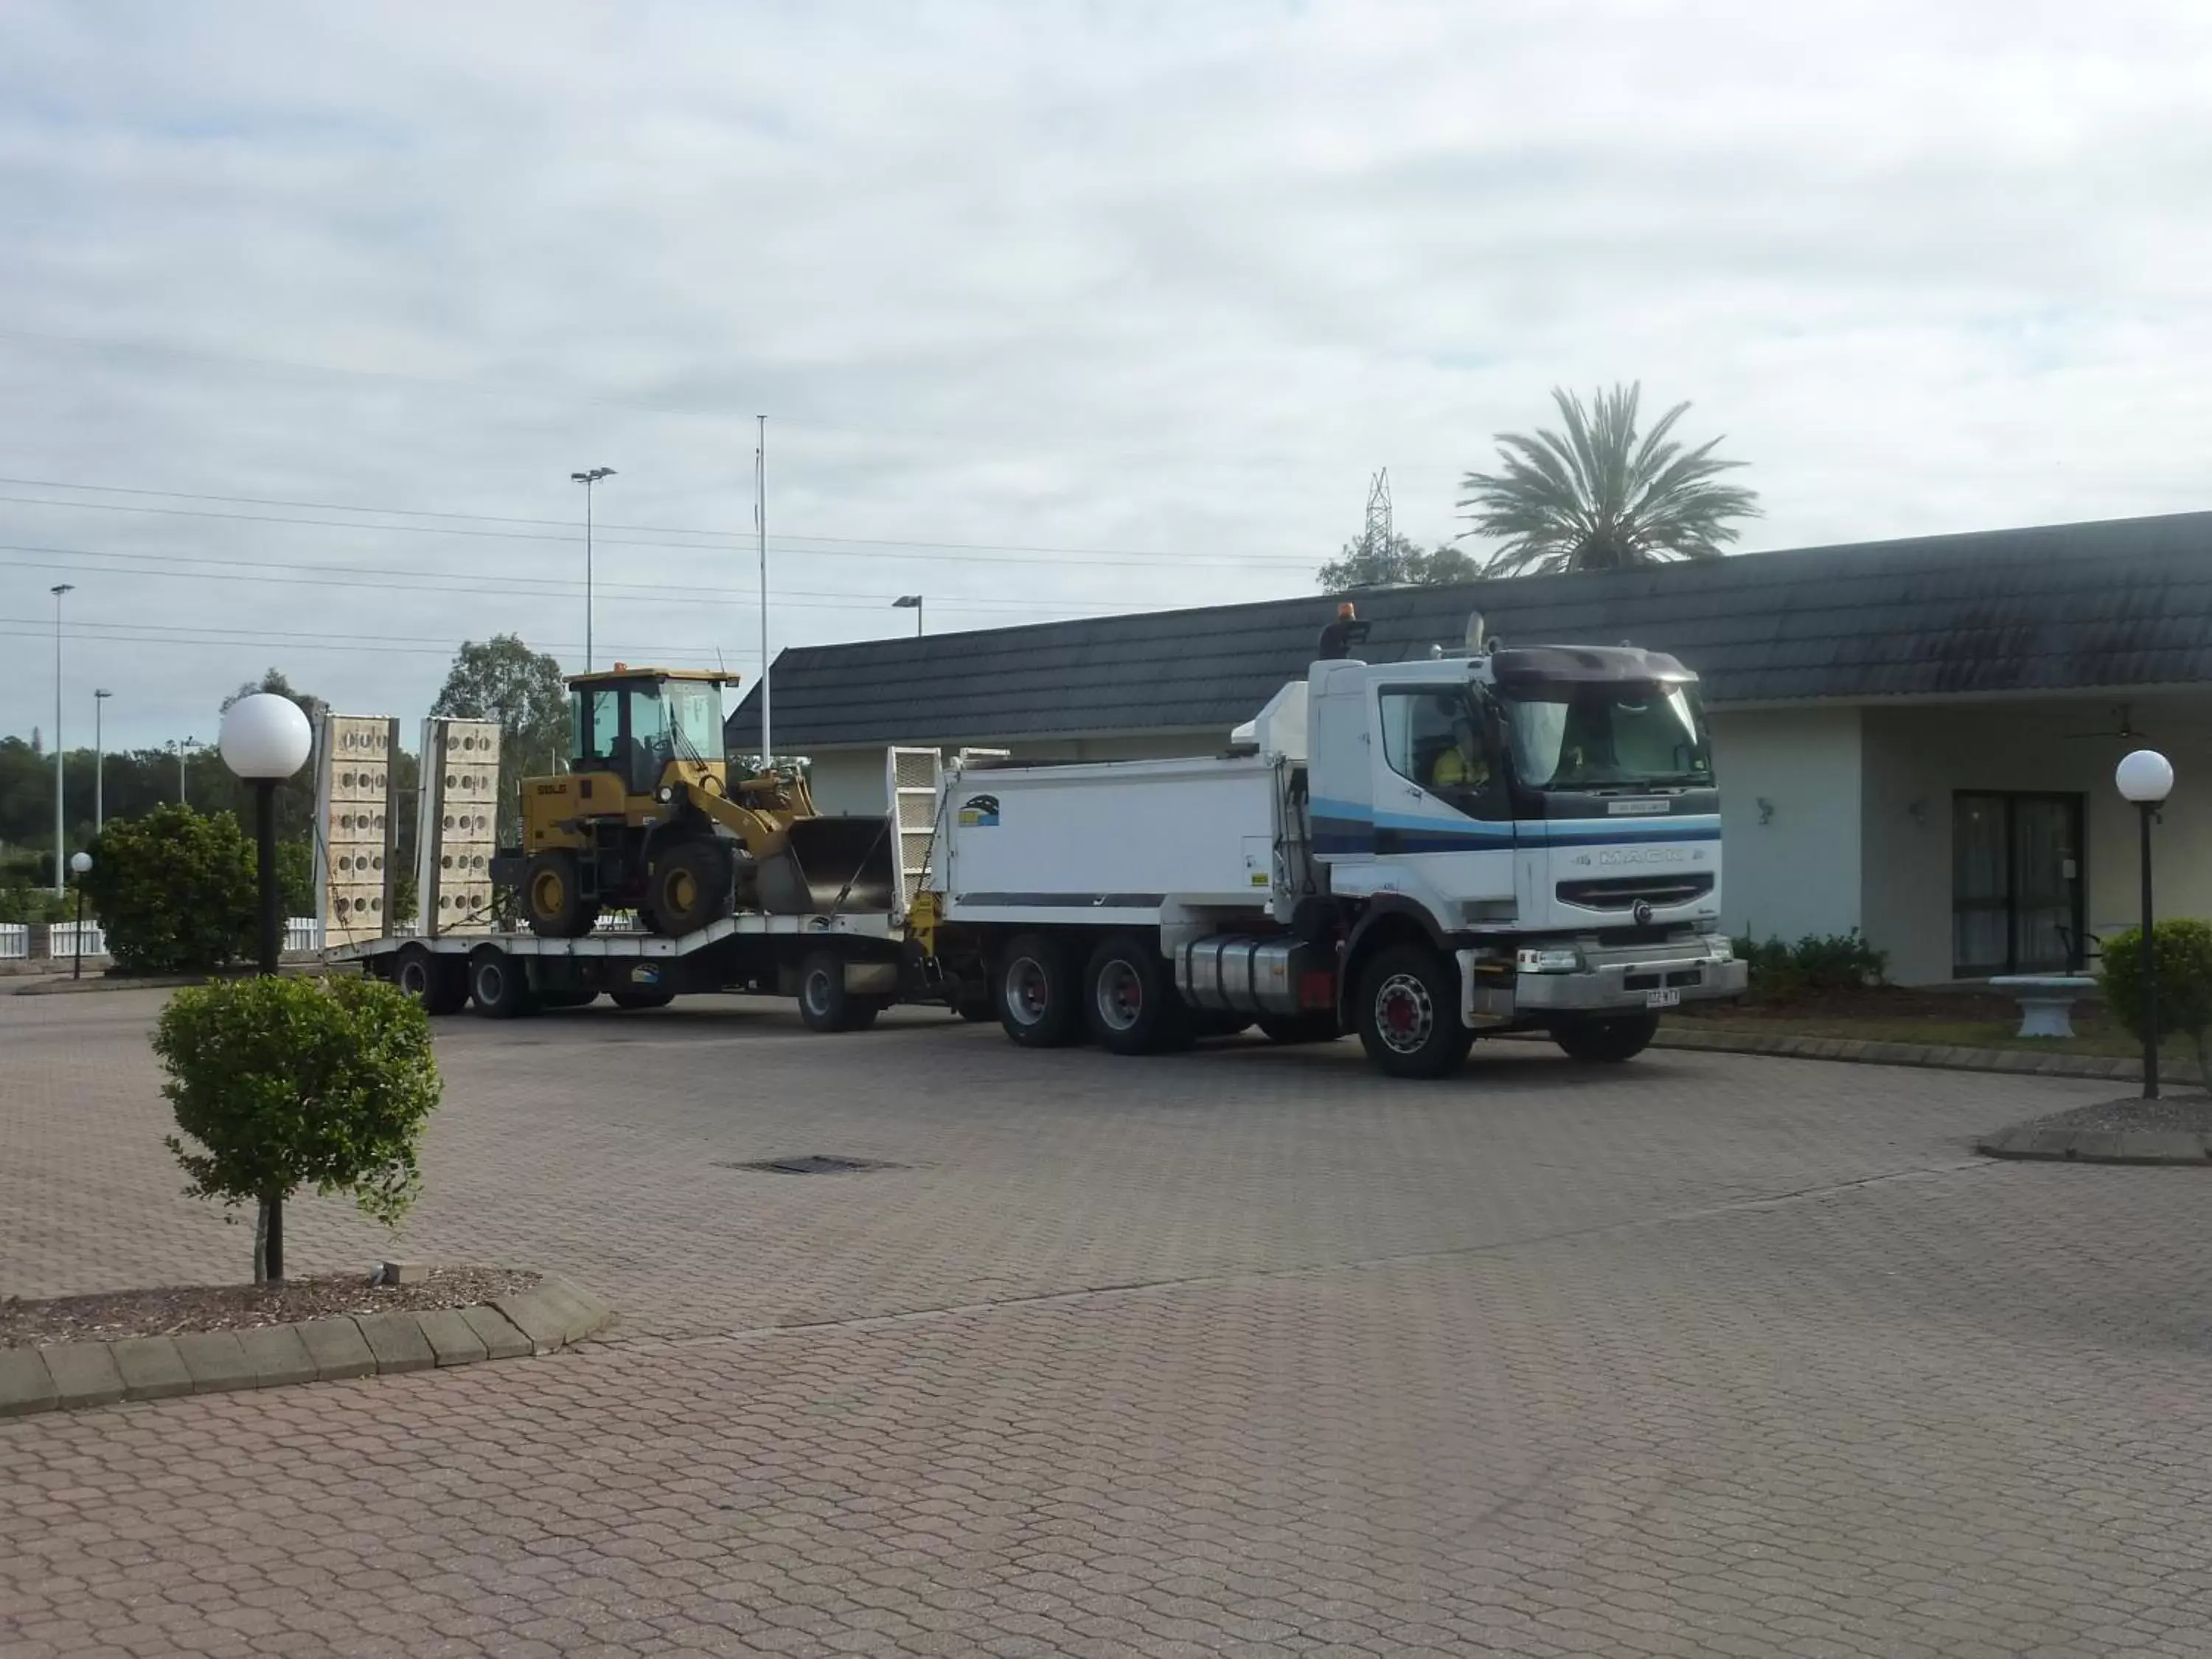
[1127,301]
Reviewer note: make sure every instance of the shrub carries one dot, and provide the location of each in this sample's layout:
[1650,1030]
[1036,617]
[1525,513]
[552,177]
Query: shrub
[1817,963]
[290,1083]
[2183,951]
[174,889]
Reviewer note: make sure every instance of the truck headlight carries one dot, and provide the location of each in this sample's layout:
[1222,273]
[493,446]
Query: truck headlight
[1720,949]
[1549,959]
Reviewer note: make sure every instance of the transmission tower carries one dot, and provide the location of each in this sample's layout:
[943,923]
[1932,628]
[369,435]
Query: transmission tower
[1375,539]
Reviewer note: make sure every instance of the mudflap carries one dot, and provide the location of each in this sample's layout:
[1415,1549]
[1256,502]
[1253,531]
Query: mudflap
[829,865]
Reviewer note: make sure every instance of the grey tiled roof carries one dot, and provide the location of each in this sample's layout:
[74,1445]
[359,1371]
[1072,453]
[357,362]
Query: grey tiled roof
[2061,607]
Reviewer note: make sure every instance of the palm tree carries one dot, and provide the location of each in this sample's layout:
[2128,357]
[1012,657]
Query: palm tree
[1597,498]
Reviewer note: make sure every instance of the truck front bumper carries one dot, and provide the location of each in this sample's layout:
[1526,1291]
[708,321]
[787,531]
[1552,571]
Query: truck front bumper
[1615,981]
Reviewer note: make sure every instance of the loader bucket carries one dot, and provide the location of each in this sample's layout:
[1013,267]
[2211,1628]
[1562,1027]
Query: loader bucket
[829,864]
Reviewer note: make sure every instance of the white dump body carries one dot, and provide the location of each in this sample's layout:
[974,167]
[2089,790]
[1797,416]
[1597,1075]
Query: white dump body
[1120,840]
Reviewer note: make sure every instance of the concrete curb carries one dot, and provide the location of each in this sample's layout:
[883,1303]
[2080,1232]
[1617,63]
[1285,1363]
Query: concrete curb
[68,1375]
[2097,1145]
[2024,1061]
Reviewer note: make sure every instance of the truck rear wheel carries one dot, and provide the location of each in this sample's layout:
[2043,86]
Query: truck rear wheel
[1408,1013]
[500,985]
[1040,1004]
[553,898]
[824,1003]
[1606,1041]
[442,986]
[690,887]
[1129,1003]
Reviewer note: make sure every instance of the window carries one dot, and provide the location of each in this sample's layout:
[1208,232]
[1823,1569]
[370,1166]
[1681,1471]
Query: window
[1430,737]
[1594,735]
[2016,884]
[605,739]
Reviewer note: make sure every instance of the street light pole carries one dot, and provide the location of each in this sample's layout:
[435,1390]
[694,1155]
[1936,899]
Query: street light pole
[61,876]
[587,479]
[910,602]
[82,863]
[99,763]
[2145,778]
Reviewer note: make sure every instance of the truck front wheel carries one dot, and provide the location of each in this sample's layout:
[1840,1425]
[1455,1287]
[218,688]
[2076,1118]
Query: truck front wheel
[1040,1004]
[1606,1042]
[1408,1013]
[1129,1002]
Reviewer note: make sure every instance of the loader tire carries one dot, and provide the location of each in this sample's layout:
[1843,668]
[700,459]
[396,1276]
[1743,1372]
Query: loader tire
[1038,992]
[553,898]
[690,888]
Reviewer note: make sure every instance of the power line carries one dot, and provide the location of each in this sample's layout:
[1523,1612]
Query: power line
[508,587]
[561,531]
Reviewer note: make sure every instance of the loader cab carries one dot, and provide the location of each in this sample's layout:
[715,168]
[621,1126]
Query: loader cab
[639,723]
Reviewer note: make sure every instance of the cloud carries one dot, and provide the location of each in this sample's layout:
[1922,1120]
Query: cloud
[1169,279]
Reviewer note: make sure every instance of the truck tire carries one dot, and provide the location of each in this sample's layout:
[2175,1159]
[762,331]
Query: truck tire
[1408,1012]
[690,888]
[1129,1002]
[1300,1028]
[1607,1041]
[1040,1003]
[641,996]
[441,985]
[553,898]
[824,1003]
[500,985]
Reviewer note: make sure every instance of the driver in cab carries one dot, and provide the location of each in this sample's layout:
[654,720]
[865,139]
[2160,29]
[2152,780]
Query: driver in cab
[1461,766]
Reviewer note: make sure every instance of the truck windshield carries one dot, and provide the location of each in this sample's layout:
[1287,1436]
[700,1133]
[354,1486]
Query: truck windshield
[1608,735]
[694,719]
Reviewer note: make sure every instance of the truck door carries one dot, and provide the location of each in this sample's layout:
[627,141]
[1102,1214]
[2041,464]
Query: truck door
[1443,814]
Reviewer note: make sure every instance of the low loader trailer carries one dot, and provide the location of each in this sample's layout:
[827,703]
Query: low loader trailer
[1419,853]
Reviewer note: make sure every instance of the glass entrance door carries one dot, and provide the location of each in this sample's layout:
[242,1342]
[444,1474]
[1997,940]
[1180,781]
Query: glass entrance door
[2016,884]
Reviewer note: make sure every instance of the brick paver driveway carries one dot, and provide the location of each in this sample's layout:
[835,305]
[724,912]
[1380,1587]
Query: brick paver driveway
[1241,1350]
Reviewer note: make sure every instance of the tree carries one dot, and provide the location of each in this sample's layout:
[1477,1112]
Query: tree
[1598,499]
[175,891]
[290,1083]
[503,679]
[1395,562]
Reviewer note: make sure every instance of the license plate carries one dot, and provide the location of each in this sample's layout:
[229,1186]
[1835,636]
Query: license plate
[1669,997]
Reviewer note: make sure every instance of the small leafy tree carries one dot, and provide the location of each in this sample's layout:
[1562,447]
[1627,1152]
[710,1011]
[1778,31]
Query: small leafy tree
[2183,953]
[281,1084]
[1395,561]
[175,891]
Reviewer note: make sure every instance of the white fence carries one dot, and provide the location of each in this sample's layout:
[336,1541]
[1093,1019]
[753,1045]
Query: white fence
[301,933]
[14,941]
[64,943]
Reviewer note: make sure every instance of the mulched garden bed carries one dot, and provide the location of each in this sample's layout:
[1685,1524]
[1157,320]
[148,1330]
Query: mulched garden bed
[174,1308]
[2188,1113]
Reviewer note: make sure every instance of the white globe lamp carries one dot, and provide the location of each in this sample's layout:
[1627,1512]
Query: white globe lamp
[266,739]
[2145,778]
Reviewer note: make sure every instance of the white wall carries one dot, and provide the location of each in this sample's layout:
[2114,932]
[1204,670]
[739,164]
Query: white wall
[1798,872]
[851,780]
[1918,755]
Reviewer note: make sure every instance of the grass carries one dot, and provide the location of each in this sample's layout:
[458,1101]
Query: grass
[2094,1035]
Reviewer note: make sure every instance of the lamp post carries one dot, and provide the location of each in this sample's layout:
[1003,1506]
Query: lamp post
[910,602]
[2146,777]
[587,479]
[61,876]
[99,763]
[181,747]
[82,863]
[265,739]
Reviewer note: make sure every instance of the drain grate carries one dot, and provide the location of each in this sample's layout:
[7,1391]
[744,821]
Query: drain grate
[813,1163]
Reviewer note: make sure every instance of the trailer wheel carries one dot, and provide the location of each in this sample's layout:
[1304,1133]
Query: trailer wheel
[1129,1003]
[824,1003]
[1039,1001]
[500,985]
[440,985]
[641,996]
[690,887]
[1408,1013]
[1608,1041]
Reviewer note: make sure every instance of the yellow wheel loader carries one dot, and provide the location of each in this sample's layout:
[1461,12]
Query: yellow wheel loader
[647,818]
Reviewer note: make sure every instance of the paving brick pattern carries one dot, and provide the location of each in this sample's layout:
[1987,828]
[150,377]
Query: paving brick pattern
[1238,1352]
